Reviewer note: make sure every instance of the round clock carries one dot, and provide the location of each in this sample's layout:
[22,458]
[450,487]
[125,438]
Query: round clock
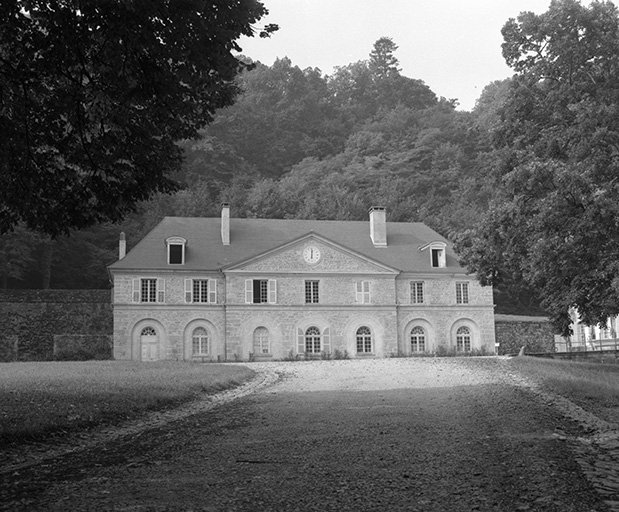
[311,254]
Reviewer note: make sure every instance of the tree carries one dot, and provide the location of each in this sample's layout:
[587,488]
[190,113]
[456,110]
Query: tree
[16,255]
[554,224]
[362,89]
[383,63]
[95,95]
[282,116]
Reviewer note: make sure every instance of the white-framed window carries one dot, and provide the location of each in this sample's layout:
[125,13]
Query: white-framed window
[463,339]
[313,341]
[311,292]
[462,292]
[418,339]
[363,292]
[176,250]
[364,340]
[260,291]
[262,344]
[149,289]
[417,292]
[438,253]
[200,341]
[201,290]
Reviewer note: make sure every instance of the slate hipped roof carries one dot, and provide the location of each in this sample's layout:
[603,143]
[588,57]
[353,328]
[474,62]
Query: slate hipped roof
[252,237]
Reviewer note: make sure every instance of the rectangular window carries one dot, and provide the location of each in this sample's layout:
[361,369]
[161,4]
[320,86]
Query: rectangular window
[260,291]
[176,254]
[462,293]
[148,290]
[583,334]
[363,292]
[311,292]
[416,292]
[200,290]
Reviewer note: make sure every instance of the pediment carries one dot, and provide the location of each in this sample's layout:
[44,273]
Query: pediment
[311,254]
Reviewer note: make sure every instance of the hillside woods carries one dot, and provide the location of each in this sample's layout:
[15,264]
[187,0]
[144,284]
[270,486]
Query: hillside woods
[302,144]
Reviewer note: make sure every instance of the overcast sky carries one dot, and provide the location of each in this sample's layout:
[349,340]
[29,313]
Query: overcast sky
[454,46]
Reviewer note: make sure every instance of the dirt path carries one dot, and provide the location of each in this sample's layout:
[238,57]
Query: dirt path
[396,434]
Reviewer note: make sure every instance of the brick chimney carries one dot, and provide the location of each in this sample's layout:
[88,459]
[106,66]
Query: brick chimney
[225,223]
[122,246]
[378,226]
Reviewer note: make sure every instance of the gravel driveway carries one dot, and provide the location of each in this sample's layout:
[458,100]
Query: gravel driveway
[393,434]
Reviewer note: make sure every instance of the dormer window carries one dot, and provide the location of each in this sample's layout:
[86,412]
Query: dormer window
[176,250]
[438,258]
[437,254]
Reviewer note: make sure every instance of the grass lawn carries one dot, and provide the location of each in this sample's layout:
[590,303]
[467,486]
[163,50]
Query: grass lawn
[593,386]
[37,399]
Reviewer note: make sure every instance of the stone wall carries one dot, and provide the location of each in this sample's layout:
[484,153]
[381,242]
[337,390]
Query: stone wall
[513,332]
[43,325]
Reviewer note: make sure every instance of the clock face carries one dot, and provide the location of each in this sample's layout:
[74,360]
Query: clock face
[311,254]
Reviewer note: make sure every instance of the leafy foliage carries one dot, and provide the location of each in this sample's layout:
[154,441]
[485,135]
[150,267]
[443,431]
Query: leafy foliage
[95,96]
[553,224]
[299,144]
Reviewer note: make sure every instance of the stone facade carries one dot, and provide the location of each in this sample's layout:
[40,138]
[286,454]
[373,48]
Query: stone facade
[364,308]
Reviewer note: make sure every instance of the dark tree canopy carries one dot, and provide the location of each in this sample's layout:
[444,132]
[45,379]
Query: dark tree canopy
[554,225]
[296,144]
[94,96]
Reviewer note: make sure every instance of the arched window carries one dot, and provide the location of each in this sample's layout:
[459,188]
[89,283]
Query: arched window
[261,341]
[463,339]
[148,331]
[418,339]
[312,340]
[199,341]
[364,340]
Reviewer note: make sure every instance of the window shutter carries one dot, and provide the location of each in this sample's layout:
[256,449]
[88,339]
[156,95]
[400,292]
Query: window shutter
[326,341]
[188,290]
[359,296]
[136,290]
[249,291]
[300,341]
[366,290]
[160,290]
[212,291]
[272,291]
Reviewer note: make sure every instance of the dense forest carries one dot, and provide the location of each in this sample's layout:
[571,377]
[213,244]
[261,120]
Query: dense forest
[301,144]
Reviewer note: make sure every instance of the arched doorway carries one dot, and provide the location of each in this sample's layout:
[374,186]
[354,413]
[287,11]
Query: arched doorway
[149,343]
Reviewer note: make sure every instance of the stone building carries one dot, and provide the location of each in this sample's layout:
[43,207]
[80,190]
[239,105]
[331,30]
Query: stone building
[259,289]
